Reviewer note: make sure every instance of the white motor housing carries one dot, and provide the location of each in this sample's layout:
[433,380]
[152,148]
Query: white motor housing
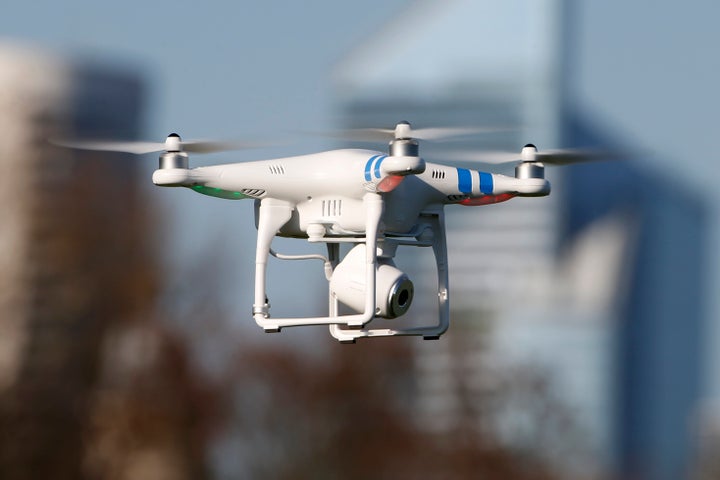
[393,289]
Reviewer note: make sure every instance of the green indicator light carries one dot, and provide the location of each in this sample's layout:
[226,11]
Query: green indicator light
[218,192]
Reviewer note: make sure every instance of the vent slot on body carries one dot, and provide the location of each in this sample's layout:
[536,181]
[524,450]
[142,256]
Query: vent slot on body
[253,192]
[331,208]
[277,169]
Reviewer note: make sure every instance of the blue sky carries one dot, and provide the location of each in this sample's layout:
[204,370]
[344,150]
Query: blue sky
[218,68]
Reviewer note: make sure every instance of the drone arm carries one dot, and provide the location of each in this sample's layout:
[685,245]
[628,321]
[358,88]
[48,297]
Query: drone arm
[472,187]
[523,187]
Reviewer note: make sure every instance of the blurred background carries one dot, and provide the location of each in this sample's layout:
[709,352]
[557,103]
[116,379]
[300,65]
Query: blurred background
[585,332]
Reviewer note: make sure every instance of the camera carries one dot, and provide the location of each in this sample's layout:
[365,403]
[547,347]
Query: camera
[393,289]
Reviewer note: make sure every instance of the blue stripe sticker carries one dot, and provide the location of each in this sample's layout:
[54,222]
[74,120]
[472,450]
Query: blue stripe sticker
[464,180]
[368,168]
[486,182]
[377,165]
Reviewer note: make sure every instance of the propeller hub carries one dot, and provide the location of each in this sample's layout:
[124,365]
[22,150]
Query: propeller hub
[528,153]
[403,131]
[173,143]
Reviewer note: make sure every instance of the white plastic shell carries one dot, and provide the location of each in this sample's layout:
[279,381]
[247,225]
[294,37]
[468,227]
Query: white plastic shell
[394,290]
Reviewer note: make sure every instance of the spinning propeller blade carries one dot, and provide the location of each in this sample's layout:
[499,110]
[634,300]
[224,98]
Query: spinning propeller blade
[403,130]
[212,146]
[446,133]
[173,143]
[137,148]
[547,157]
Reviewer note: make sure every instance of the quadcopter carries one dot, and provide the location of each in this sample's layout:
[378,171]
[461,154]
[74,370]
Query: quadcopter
[373,201]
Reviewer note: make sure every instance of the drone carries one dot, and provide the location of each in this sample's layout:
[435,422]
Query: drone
[372,201]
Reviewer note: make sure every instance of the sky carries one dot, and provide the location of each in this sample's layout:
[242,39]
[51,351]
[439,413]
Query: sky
[655,78]
[215,69]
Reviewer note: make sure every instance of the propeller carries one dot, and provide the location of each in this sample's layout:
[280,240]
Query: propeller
[530,153]
[173,143]
[404,131]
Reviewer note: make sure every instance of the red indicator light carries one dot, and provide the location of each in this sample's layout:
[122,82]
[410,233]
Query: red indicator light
[389,183]
[487,199]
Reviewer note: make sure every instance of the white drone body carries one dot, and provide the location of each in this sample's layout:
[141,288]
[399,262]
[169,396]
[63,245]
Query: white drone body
[371,200]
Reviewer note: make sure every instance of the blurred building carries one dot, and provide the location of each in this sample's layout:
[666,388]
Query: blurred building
[658,347]
[77,285]
[597,289]
[665,372]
